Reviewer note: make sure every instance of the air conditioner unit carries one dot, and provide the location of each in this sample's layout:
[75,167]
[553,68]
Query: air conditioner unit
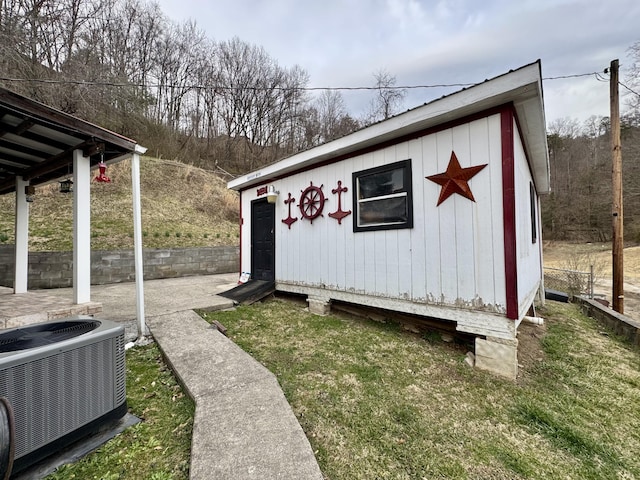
[63,380]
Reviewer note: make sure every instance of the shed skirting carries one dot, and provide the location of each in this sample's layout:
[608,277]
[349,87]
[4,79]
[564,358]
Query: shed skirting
[468,321]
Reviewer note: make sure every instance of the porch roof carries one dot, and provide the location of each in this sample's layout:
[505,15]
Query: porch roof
[37,142]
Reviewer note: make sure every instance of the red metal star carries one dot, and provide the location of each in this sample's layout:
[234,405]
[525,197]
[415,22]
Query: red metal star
[455,179]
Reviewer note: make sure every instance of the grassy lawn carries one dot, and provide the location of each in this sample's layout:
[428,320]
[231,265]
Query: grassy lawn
[157,448]
[377,402]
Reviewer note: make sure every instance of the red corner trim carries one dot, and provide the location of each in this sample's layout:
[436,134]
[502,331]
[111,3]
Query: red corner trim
[241,222]
[509,212]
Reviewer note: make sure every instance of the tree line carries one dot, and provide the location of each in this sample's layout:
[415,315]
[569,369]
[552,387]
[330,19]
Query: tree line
[229,105]
[579,206]
[125,65]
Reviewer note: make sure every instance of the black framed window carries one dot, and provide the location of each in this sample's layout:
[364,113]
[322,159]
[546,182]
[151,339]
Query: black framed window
[382,197]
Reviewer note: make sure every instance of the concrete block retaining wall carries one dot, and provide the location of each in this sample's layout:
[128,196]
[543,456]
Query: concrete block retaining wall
[55,269]
[620,324]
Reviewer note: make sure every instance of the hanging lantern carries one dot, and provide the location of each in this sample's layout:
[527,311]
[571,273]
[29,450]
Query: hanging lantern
[66,186]
[30,193]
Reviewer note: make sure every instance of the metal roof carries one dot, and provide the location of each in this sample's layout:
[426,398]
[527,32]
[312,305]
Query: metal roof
[37,142]
[521,87]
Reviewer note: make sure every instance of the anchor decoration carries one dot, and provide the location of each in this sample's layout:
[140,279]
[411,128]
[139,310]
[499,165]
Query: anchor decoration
[312,202]
[339,214]
[289,220]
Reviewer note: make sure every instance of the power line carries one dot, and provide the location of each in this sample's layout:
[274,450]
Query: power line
[218,87]
[575,75]
[601,78]
[628,88]
[224,87]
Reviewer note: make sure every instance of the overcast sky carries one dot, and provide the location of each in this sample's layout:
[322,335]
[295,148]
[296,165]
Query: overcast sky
[341,43]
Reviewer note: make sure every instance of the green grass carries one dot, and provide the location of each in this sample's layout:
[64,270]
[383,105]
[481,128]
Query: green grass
[378,402]
[182,206]
[158,447]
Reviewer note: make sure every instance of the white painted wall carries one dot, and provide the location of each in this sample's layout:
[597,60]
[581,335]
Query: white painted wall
[454,254]
[528,253]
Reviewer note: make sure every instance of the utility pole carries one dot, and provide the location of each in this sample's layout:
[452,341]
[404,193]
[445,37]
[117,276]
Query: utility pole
[616,180]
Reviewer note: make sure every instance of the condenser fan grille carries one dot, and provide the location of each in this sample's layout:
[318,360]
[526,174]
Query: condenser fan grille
[44,334]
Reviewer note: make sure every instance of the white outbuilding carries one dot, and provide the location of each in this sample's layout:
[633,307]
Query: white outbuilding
[434,212]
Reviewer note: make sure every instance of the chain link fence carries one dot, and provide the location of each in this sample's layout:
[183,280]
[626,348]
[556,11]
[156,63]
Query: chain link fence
[572,282]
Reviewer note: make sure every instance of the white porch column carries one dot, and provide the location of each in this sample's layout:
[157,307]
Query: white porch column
[22,238]
[137,240]
[81,228]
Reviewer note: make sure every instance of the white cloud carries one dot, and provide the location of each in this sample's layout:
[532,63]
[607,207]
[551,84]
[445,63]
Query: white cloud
[342,42]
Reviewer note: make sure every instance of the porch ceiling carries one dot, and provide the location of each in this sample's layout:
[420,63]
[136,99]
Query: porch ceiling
[37,142]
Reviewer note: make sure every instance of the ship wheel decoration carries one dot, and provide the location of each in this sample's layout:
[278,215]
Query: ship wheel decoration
[289,220]
[312,202]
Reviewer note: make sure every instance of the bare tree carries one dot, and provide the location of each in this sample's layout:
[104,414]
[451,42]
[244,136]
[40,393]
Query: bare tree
[123,64]
[176,69]
[564,127]
[388,99]
[327,119]
[633,77]
[258,101]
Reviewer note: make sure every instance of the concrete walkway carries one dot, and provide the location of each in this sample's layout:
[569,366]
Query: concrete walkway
[244,429]
[243,426]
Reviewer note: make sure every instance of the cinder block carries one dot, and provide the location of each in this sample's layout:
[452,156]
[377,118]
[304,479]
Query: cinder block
[319,306]
[50,275]
[499,356]
[59,313]
[79,309]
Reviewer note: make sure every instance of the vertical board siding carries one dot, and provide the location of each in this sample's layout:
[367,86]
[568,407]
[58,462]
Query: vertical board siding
[324,227]
[446,224]
[497,221]
[454,253]
[528,252]
[426,242]
[401,240]
[465,225]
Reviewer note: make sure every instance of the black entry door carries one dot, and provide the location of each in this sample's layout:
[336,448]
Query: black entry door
[263,224]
